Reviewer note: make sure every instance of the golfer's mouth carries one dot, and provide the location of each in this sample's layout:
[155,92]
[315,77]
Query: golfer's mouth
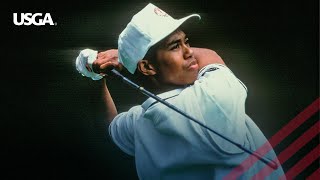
[193,65]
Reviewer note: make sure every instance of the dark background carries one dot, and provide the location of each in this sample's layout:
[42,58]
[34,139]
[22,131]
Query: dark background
[54,129]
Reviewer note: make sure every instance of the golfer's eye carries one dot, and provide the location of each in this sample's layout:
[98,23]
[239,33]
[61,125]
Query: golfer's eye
[175,46]
[186,42]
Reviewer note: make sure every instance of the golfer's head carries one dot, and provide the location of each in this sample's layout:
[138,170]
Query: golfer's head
[152,27]
[171,61]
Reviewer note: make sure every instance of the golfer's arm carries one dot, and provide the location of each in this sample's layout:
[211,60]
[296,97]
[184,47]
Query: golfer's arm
[206,56]
[108,106]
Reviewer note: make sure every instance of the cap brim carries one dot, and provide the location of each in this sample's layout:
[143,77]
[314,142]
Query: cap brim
[175,26]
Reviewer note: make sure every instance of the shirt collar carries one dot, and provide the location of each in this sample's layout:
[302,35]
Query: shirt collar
[164,96]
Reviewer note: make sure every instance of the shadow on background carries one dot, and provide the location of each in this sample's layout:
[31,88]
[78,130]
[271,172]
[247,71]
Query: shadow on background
[54,127]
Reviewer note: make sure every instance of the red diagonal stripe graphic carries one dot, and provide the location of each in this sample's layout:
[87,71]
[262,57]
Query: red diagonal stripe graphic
[315,175]
[289,151]
[275,139]
[303,163]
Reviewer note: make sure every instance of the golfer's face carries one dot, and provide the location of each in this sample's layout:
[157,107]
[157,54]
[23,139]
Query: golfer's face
[176,63]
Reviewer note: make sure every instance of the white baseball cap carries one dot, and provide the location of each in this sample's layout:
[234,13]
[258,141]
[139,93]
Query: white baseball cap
[146,28]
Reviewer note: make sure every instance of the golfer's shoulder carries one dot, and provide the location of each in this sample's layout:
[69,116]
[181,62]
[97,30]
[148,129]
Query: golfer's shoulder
[217,82]
[206,56]
[133,113]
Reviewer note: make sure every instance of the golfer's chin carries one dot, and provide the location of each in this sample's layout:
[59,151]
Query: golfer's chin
[191,78]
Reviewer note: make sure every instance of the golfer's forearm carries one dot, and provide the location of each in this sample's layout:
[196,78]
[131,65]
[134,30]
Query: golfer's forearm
[109,107]
[206,56]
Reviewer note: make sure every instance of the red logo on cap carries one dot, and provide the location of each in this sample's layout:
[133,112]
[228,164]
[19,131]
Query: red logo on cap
[159,12]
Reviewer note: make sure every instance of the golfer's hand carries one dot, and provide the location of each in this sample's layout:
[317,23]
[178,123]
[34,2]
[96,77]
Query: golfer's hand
[106,61]
[84,64]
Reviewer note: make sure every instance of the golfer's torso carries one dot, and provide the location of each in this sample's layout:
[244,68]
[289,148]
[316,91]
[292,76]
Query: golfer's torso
[170,146]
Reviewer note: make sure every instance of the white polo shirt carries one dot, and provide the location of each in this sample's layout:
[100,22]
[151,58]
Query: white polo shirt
[168,146]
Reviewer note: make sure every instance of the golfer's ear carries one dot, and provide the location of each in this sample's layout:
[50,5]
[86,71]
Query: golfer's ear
[146,68]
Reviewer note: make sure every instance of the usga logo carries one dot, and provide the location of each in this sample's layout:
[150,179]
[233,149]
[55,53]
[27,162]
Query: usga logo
[36,19]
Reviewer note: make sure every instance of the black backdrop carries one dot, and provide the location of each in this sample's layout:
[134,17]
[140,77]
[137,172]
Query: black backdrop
[53,128]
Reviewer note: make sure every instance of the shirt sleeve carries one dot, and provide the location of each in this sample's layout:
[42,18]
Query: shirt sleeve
[122,128]
[222,96]
[218,82]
